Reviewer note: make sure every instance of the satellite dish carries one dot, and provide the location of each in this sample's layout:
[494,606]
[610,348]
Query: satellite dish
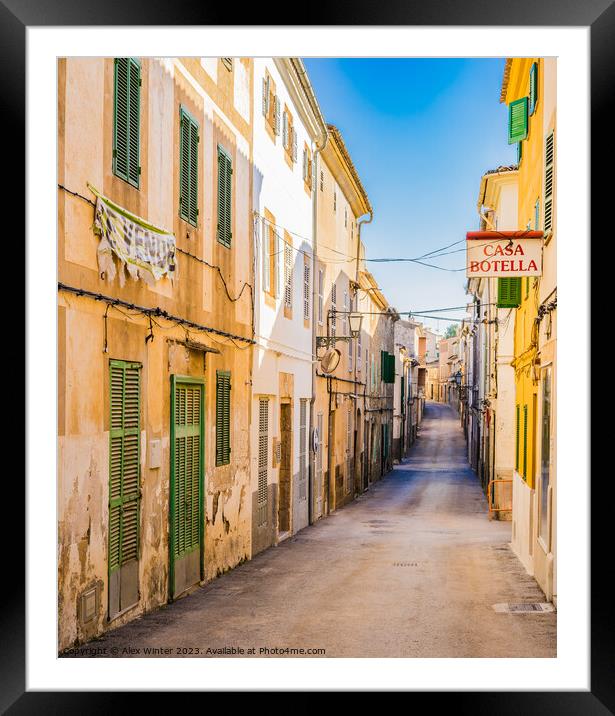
[330,360]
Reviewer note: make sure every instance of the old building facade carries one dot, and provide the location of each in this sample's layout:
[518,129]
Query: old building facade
[154,174]
[288,126]
[529,90]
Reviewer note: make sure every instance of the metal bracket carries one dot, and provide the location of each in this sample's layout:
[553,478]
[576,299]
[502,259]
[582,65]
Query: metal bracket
[329,341]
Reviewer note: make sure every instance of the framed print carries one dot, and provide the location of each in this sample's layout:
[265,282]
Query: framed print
[302,396]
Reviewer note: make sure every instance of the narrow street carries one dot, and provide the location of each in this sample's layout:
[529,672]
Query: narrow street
[410,569]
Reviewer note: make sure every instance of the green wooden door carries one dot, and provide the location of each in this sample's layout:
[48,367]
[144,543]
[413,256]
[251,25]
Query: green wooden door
[186,498]
[124,484]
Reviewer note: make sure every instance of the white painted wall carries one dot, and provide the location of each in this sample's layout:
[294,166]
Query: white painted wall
[283,345]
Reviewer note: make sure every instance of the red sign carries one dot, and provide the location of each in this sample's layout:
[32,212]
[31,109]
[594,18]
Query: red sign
[503,254]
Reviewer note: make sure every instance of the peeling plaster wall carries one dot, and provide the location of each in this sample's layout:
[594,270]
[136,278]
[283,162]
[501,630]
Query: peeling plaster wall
[87,340]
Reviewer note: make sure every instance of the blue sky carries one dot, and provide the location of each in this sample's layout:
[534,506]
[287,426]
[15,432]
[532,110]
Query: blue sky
[421,133]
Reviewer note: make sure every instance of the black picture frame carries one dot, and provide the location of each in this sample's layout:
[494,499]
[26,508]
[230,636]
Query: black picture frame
[599,15]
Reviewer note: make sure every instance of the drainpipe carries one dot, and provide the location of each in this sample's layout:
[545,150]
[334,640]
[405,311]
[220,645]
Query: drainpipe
[359,224]
[321,141]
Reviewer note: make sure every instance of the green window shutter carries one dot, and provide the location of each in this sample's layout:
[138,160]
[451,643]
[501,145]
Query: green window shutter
[533,88]
[517,442]
[519,152]
[223,417]
[124,463]
[225,172]
[509,292]
[127,119]
[549,171]
[390,368]
[525,442]
[188,167]
[517,120]
[186,466]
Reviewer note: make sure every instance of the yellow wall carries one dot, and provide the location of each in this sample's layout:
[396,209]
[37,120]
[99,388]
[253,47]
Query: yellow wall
[530,189]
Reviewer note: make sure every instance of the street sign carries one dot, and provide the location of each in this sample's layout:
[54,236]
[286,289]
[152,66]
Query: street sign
[503,254]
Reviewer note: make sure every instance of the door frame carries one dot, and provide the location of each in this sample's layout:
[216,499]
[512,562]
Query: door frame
[175,380]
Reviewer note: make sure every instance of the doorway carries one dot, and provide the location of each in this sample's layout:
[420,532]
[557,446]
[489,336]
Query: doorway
[286,452]
[186,487]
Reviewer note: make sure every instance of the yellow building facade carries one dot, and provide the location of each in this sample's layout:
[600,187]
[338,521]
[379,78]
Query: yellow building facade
[529,91]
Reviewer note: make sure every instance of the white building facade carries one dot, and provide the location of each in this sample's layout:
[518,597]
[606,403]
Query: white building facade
[285,132]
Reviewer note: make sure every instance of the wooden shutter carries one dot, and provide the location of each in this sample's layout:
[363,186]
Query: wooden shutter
[266,96]
[519,152]
[124,463]
[285,142]
[277,262]
[225,185]
[306,291]
[518,431]
[266,256]
[188,168]
[127,119]
[333,308]
[305,165]
[549,171]
[321,290]
[533,88]
[509,292]
[525,442]
[263,459]
[223,417]
[294,141]
[277,115]
[186,466]
[303,449]
[288,274]
[517,120]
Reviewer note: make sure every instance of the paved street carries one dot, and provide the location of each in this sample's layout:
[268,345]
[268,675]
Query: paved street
[412,568]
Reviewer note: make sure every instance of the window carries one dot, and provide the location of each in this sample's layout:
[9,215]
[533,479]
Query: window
[271,253]
[263,460]
[288,275]
[188,167]
[321,292]
[223,417]
[509,292]
[549,168]
[227,62]
[124,480]
[545,458]
[127,119]
[306,289]
[533,88]
[322,181]
[345,218]
[517,120]
[537,214]
[334,200]
[289,136]
[359,342]
[308,168]
[271,106]
[225,186]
